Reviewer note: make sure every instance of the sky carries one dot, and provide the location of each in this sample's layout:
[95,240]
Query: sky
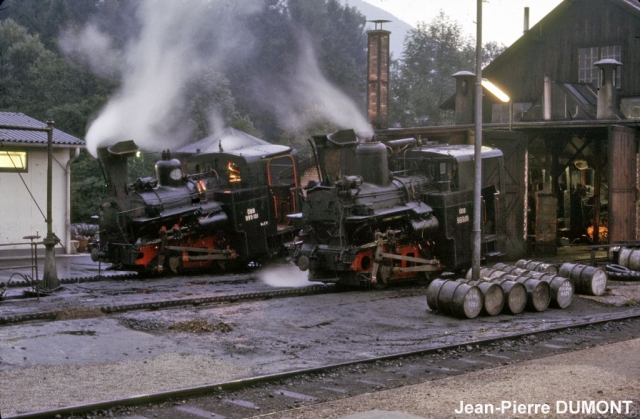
[502,20]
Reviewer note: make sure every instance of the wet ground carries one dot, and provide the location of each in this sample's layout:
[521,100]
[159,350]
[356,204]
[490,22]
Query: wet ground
[93,357]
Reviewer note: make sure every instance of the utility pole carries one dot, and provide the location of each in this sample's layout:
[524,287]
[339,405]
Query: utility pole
[50,276]
[477,184]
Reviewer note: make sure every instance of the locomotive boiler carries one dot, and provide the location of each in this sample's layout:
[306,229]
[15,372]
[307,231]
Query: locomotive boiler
[230,209]
[383,212]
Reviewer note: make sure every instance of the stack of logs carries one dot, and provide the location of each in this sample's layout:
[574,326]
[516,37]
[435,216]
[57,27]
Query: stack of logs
[511,289]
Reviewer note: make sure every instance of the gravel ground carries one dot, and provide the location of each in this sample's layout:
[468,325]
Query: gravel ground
[45,387]
[606,373]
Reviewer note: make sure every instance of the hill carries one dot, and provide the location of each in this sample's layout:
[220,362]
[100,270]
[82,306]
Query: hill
[397,27]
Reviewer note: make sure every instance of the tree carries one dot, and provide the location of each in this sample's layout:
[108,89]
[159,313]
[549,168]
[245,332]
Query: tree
[421,80]
[18,53]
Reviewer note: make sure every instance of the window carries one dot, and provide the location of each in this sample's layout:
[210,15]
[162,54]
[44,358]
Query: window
[588,73]
[234,172]
[500,111]
[630,107]
[13,161]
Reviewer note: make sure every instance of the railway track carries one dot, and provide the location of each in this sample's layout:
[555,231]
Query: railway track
[269,394]
[161,303]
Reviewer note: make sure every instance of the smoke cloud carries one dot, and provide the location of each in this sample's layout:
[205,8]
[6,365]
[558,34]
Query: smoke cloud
[177,44]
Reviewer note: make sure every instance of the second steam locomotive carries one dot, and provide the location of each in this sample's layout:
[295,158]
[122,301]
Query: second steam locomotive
[382,212]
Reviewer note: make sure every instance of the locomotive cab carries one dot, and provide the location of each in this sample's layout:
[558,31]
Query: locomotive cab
[259,185]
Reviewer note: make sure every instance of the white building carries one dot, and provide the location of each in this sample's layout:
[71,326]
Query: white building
[23,184]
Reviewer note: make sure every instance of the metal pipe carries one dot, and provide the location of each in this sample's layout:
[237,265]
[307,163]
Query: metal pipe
[477,184]
[546,96]
[50,277]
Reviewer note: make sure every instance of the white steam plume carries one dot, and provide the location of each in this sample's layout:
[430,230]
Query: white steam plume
[310,95]
[177,42]
[95,47]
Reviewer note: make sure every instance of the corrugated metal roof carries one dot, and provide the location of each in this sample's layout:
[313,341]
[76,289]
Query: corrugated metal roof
[60,138]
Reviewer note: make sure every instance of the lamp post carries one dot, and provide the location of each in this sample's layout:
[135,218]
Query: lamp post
[477,184]
[477,192]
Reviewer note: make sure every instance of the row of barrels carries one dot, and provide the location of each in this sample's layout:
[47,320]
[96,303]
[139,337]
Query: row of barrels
[586,279]
[626,256]
[509,289]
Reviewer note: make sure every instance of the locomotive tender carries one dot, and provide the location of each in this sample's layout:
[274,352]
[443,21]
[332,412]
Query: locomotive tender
[383,212]
[231,211]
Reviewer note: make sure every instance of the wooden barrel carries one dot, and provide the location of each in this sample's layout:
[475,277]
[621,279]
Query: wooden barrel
[432,293]
[492,297]
[561,288]
[538,292]
[586,279]
[532,265]
[515,295]
[629,257]
[460,300]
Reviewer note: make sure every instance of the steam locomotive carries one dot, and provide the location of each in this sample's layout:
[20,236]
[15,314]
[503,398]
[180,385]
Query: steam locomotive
[387,211]
[231,210]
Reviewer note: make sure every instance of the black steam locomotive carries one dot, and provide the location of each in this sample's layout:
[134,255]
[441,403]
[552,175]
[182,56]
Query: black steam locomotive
[231,210]
[383,212]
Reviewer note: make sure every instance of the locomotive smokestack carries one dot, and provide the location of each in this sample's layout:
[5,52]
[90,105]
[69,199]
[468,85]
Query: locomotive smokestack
[378,75]
[113,161]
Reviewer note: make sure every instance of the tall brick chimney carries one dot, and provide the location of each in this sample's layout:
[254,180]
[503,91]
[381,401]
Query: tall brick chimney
[607,91]
[378,76]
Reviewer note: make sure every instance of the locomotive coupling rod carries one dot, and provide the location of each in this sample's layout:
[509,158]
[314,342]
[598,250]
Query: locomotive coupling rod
[207,257]
[198,249]
[410,259]
[421,268]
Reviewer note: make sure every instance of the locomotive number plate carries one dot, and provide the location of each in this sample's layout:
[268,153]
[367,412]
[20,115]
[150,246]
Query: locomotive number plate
[463,217]
[251,215]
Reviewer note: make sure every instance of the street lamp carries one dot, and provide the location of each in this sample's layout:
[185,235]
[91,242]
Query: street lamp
[495,90]
[500,95]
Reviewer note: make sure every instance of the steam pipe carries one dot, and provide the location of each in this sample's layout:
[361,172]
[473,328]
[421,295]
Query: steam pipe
[546,108]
